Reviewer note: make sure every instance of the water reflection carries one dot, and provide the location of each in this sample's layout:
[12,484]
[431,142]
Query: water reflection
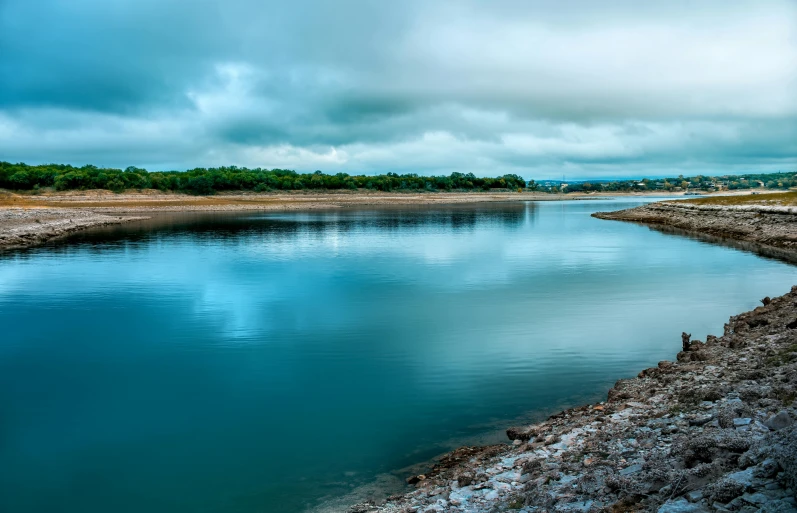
[263,362]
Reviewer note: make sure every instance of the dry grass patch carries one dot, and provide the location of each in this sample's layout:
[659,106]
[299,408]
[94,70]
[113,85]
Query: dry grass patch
[784,199]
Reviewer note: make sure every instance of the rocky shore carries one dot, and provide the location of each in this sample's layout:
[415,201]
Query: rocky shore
[21,227]
[765,225]
[712,431]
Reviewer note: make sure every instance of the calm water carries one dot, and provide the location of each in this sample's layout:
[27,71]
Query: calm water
[261,363]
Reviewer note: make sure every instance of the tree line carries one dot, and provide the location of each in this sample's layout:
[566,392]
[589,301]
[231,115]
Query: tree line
[63,177]
[204,181]
[780,180]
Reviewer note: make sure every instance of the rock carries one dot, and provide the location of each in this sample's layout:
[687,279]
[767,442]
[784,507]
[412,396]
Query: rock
[465,478]
[565,479]
[779,421]
[726,490]
[681,505]
[767,469]
[695,496]
[744,477]
[738,422]
[700,420]
[755,498]
[633,469]
[785,454]
[521,433]
[777,507]
[575,507]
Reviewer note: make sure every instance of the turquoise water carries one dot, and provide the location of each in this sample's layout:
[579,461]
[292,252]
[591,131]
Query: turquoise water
[269,362]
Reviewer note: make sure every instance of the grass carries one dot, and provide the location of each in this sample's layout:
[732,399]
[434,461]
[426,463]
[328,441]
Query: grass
[785,199]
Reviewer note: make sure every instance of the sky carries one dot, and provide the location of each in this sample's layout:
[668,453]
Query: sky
[542,89]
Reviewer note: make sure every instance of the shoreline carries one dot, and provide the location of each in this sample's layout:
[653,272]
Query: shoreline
[617,455]
[32,219]
[714,430]
[768,226]
[29,220]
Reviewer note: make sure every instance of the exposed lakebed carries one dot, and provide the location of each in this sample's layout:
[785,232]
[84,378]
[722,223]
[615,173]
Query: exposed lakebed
[266,362]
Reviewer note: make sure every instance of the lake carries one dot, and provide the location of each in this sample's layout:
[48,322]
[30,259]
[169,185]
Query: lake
[276,362]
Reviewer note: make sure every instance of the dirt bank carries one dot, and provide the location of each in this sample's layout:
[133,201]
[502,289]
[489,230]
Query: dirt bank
[766,225]
[155,200]
[20,227]
[713,431]
[27,220]
[60,213]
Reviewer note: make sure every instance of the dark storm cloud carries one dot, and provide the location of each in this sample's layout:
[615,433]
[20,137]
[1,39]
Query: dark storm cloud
[530,87]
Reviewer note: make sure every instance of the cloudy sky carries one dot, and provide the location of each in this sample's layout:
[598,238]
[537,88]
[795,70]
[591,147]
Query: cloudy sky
[542,89]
